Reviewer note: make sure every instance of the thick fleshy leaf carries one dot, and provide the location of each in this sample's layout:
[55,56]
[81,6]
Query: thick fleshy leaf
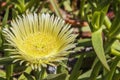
[23,76]
[97,20]
[113,66]
[2,74]
[61,76]
[116,76]
[66,3]
[85,75]
[1,41]
[115,27]
[30,4]
[28,76]
[76,70]
[4,22]
[98,47]
[84,42]
[6,60]
[56,7]
[95,71]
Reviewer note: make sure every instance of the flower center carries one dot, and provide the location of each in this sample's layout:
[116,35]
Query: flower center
[39,45]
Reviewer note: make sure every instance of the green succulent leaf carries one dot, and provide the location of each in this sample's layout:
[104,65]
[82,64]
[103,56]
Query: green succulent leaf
[97,42]
[76,70]
[5,19]
[2,74]
[6,60]
[113,66]
[28,76]
[61,76]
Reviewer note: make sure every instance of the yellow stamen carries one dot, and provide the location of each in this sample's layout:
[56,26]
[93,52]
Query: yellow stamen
[39,45]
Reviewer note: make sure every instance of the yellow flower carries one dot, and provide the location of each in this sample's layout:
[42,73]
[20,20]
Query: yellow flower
[39,40]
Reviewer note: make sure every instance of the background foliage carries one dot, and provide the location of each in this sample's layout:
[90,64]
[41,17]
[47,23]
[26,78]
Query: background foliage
[96,56]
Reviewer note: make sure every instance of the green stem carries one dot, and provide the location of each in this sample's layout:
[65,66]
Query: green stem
[56,8]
